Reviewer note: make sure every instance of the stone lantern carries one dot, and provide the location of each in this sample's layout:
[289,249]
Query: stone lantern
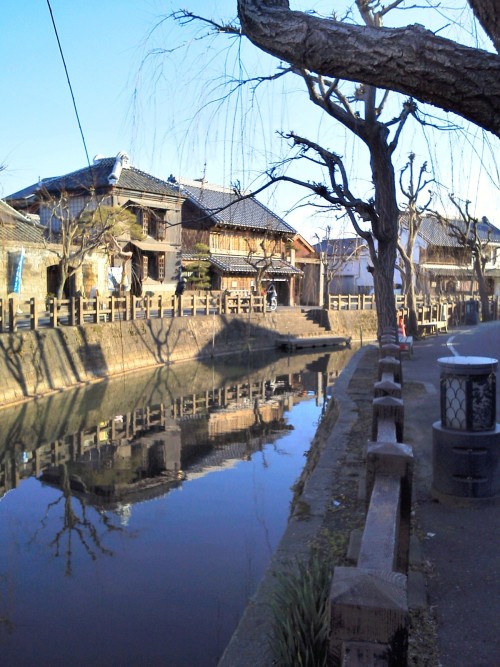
[466,442]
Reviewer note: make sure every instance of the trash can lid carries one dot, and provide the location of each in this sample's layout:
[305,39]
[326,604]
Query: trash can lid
[468,365]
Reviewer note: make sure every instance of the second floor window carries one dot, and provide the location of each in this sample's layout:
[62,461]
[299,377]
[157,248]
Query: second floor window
[161,228]
[161,267]
[145,222]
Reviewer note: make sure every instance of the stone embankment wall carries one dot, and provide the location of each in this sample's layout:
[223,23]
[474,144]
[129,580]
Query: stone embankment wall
[34,363]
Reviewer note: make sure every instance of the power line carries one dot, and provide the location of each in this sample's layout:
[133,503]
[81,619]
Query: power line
[70,87]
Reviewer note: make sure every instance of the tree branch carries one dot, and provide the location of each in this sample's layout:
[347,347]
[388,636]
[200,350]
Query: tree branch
[410,60]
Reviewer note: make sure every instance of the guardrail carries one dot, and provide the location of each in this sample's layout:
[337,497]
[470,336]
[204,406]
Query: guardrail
[35,313]
[369,602]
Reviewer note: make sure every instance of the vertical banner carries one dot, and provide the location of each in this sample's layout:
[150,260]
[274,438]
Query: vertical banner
[19,272]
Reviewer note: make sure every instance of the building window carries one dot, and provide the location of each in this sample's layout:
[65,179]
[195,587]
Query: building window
[161,229]
[145,222]
[161,267]
[144,266]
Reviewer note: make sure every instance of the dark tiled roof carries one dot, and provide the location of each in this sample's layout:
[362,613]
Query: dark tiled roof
[340,246]
[242,213]
[437,233]
[17,228]
[97,176]
[238,264]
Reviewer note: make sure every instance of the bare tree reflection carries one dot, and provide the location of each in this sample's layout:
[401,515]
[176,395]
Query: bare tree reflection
[77,524]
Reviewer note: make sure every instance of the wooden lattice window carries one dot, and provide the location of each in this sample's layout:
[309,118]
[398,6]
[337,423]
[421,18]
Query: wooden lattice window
[145,222]
[144,266]
[161,229]
[161,267]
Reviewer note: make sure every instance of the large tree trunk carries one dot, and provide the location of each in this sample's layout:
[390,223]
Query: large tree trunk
[411,60]
[383,278]
[486,12]
[63,276]
[412,327]
[385,230]
[406,255]
[483,294]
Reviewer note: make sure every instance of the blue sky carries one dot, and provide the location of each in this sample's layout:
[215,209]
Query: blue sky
[164,114]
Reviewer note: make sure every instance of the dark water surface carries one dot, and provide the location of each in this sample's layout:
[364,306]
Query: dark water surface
[138,515]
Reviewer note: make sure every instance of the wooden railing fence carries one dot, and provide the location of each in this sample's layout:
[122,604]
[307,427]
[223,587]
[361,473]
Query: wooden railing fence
[432,316]
[367,302]
[35,313]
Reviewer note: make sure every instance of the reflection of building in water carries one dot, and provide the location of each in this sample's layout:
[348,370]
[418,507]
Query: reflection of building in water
[150,450]
[166,439]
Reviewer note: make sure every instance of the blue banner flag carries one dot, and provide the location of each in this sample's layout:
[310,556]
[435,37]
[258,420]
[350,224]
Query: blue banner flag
[19,272]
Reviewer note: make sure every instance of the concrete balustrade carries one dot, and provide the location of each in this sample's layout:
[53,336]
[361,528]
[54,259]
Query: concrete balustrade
[369,602]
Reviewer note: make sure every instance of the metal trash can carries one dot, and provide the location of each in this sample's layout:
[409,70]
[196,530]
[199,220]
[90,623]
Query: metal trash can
[472,312]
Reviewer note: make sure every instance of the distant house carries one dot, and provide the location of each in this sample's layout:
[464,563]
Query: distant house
[248,244]
[442,265]
[28,263]
[113,181]
[309,288]
[346,265]
[445,267]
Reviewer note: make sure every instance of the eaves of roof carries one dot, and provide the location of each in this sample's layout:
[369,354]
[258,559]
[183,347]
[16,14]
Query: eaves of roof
[436,233]
[448,270]
[235,264]
[18,228]
[154,246]
[96,177]
[228,209]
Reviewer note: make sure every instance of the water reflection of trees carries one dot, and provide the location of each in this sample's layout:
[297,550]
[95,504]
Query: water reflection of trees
[77,524]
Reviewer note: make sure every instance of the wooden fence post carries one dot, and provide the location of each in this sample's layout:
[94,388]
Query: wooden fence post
[72,313]
[80,320]
[12,316]
[53,312]
[33,315]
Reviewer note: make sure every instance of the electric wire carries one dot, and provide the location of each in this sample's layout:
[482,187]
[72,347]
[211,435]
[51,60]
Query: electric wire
[70,88]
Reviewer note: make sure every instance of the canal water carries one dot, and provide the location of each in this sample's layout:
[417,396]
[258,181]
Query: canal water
[138,515]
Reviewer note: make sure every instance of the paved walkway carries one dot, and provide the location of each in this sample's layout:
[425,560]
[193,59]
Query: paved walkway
[460,544]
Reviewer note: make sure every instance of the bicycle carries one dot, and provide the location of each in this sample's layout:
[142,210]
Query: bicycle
[272,303]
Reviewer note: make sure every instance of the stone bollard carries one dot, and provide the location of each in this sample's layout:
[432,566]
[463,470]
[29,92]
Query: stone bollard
[466,442]
[390,365]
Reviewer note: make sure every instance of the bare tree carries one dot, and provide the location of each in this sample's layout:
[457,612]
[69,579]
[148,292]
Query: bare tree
[77,234]
[261,261]
[466,232]
[411,60]
[334,255]
[410,222]
[361,114]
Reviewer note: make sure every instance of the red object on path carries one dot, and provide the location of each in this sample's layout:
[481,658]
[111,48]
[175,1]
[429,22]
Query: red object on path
[401,327]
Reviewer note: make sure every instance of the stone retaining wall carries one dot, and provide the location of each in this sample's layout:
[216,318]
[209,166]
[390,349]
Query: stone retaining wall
[33,363]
